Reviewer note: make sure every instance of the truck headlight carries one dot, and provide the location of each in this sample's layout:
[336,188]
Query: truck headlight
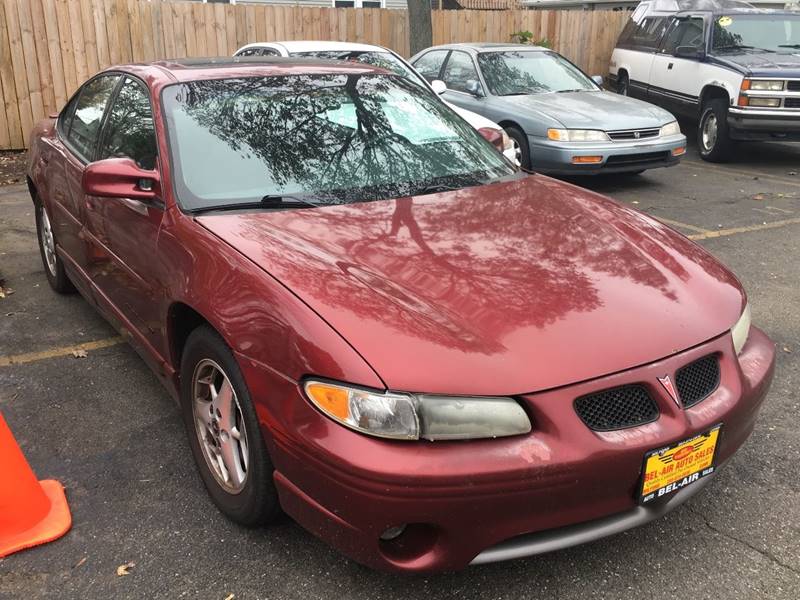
[577,135]
[671,128]
[399,415]
[766,85]
[741,330]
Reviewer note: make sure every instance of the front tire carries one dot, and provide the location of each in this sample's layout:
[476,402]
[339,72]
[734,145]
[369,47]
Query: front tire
[53,264]
[520,141]
[224,433]
[713,134]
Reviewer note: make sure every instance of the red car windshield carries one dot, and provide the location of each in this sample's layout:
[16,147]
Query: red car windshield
[326,139]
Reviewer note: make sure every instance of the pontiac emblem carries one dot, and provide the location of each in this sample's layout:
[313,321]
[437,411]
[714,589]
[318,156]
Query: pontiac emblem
[667,383]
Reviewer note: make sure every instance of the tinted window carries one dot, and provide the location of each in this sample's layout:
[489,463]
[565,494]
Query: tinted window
[684,32]
[647,34]
[531,72]
[429,65]
[129,130]
[332,139]
[459,70]
[89,110]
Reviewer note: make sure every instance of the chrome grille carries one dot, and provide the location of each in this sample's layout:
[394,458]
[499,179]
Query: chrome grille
[624,135]
[793,86]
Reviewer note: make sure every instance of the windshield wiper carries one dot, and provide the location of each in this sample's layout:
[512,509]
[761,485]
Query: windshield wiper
[743,47]
[267,202]
[796,46]
[574,90]
[436,188]
[279,201]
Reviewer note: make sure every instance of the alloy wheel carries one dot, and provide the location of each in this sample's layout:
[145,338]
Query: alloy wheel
[709,132]
[48,242]
[219,425]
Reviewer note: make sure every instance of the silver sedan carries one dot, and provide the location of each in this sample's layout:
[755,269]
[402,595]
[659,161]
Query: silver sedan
[562,121]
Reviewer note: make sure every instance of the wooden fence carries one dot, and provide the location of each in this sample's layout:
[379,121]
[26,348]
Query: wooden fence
[49,47]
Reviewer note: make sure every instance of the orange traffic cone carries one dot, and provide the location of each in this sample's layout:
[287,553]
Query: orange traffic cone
[31,512]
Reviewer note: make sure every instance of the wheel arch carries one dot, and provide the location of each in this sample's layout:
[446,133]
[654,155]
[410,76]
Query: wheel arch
[182,319]
[713,91]
[506,123]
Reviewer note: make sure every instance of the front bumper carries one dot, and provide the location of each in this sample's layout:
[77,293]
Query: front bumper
[555,158]
[470,502]
[762,124]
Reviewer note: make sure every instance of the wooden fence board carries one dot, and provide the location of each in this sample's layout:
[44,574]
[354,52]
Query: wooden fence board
[49,47]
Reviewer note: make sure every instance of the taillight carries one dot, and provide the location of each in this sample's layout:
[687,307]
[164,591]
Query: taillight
[493,136]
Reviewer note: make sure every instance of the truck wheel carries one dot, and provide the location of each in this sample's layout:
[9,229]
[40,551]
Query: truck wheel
[623,84]
[713,135]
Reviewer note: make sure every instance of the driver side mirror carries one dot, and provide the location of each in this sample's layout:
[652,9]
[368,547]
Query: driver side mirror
[439,86]
[120,178]
[690,52]
[474,87]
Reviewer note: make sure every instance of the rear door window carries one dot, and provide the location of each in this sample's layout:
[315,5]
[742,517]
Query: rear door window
[648,33]
[430,65]
[90,107]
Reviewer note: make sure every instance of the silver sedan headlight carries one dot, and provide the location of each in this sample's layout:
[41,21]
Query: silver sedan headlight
[399,415]
[741,330]
[577,135]
[671,128]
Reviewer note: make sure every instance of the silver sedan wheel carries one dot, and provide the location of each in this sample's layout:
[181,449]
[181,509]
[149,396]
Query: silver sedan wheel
[219,424]
[517,151]
[709,132]
[48,242]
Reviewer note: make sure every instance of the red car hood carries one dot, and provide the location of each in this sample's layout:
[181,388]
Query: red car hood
[502,289]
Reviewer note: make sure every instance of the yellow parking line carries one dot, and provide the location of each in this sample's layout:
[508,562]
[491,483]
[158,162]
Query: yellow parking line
[704,166]
[19,359]
[746,229]
[683,225]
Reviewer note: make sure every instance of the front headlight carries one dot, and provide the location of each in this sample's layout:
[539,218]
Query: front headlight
[671,128]
[766,85]
[577,135]
[412,416]
[741,330]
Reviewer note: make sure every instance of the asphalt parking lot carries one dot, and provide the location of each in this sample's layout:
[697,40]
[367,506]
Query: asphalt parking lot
[104,427]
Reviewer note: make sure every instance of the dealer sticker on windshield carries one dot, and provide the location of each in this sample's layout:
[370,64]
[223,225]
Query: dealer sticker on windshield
[670,469]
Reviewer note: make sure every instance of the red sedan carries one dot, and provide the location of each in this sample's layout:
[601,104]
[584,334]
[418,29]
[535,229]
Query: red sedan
[375,323]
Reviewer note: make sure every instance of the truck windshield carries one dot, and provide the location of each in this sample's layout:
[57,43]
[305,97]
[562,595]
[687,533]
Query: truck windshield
[771,32]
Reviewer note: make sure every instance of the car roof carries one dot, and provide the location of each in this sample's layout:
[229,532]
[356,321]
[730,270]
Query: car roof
[486,46]
[690,7]
[317,46]
[195,69]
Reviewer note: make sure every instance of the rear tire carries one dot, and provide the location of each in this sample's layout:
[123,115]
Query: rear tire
[52,262]
[623,84]
[227,445]
[520,141]
[713,135]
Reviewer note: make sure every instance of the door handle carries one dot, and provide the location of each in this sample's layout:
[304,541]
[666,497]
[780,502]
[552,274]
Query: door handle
[669,67]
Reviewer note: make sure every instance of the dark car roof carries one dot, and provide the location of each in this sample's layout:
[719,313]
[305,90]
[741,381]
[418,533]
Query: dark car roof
[164,72]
